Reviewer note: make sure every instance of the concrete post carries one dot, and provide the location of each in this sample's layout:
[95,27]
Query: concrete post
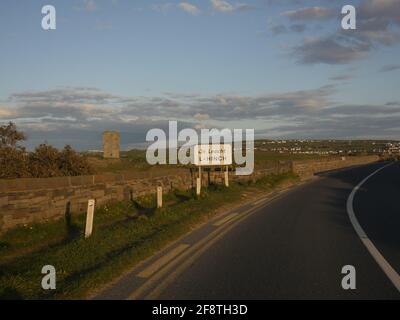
[159,197]
[89,218]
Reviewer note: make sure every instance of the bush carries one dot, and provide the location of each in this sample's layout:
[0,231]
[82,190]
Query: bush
[73,163]
[13,163]
[13,158]
[46,161]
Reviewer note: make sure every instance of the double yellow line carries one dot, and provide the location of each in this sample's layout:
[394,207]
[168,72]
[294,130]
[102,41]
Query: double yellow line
[169,267]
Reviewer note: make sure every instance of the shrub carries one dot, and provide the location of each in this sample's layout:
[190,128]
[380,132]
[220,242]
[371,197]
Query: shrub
[46,161]
[13,157]
[73,163]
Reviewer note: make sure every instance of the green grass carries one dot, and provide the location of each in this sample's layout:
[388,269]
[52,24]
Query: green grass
[135,161]
[124,234]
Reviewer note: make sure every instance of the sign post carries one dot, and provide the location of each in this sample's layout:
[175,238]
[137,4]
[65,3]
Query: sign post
[198,183]
[89,219]
[226,173]
[207,155]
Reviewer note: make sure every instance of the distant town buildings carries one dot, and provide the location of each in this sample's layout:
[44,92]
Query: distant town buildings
[111,145]
[328,147]
[393,148]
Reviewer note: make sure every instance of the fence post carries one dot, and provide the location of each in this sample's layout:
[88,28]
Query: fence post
[159,197]
[89,218]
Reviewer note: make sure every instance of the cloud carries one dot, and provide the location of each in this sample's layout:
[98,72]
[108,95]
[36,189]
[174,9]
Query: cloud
[66,94]
[278,29]
[311,13]
[346,122]
[78,115]
[334,49]
[201,116]
[390,67]
[77,104]
[6,113]
[85,105]
[298,27]
[225,6]
[341,77]
[380,9]
[282,29]
[190,8]
[378,23]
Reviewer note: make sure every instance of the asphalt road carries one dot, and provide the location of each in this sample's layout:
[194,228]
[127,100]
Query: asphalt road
[295,246]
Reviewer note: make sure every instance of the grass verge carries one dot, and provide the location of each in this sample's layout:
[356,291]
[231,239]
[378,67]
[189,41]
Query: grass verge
[124,234]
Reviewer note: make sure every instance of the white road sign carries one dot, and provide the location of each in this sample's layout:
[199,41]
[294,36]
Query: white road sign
[212,155]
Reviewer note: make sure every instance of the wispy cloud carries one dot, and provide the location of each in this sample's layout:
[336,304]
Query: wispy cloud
[65,115]
[279,29]
[390,67]
[225,6]
[333,49]
[311,13]
[341,77]
[378,24]
[190,8]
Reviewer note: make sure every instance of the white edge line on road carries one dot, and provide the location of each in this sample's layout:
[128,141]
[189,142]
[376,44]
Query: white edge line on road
[379,258]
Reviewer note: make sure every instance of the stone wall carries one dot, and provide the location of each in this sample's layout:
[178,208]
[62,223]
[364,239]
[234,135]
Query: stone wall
[25,201]
[307,168]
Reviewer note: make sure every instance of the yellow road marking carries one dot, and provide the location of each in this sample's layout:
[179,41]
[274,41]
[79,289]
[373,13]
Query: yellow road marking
[153,295]
[196,249]
[150,270]
[158,275]
[259,201]
[226,219]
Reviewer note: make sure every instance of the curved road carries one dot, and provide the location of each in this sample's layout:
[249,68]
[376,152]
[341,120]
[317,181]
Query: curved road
[295,246]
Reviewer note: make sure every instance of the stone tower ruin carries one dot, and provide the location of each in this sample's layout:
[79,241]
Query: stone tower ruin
[111,141]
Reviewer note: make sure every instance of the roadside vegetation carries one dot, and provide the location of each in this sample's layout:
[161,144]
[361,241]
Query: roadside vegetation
[124,234]
[44,162]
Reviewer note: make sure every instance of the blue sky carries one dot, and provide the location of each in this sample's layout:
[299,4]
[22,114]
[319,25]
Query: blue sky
[282,67]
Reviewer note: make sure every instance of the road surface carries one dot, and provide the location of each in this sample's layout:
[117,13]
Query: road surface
[293,247]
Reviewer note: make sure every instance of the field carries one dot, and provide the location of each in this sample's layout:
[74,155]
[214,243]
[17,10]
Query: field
[135,160]
[266,151]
